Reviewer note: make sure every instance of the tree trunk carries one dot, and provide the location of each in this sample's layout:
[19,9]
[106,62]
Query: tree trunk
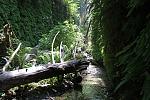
[33,74]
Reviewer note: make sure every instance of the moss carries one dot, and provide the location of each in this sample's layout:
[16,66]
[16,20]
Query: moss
[31,18]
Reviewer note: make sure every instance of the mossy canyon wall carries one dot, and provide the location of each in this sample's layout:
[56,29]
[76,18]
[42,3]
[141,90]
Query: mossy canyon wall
[30,18]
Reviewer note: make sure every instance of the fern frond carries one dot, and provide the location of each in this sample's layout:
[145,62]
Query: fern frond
[146,88]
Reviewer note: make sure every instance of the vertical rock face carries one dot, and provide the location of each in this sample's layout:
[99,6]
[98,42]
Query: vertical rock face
[31,18]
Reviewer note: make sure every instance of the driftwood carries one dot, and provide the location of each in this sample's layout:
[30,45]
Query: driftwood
[11,58]
[53,47]
[9,79]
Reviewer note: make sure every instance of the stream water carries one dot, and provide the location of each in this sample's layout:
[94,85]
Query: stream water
[91,88]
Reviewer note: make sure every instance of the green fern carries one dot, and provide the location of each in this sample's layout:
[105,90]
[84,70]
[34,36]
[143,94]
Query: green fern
[137,60]
[146,88]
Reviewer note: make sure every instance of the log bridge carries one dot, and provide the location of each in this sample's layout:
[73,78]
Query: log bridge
[9,79]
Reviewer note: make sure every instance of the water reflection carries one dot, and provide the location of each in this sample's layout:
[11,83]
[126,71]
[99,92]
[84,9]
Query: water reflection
[91,88]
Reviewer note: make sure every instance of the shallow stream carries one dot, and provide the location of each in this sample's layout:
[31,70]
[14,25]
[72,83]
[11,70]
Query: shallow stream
[91,88]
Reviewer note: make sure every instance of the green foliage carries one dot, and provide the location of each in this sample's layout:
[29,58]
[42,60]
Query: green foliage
[73,7]
[135,56]
[44,57]
[50,81]
[30,18]
[19,59]
[124,26]
[68,33]
[97,32]
[146,88]
[137,67]
[67,53]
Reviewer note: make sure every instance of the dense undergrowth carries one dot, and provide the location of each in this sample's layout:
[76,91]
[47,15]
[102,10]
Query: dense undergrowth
[120,37]
[122,27]
[31,18]
[35,24]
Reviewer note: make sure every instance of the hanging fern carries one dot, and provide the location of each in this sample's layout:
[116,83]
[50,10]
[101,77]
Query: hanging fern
[97,33]
[146,87]
[136,59]
[125,29]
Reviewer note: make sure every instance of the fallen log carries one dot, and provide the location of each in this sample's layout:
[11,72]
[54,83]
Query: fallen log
[9,79]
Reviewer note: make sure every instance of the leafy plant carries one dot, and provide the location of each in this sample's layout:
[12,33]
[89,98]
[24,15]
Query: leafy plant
[97,31]
[123,28]
[73,7]
[68,33]
[135,67]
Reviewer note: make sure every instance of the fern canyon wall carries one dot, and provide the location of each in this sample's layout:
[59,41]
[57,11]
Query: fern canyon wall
[121,27]
[31,18]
